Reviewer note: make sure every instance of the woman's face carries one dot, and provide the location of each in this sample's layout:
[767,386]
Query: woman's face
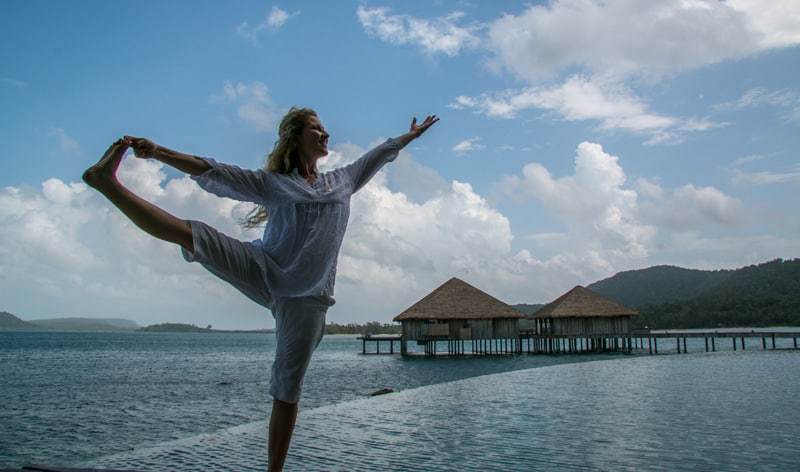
[313,139]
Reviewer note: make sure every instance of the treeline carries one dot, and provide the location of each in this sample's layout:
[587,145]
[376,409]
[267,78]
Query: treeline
[766,294]
[372,327]
[175,328]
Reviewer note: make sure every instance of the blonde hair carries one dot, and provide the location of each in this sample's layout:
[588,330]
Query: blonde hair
[284,156]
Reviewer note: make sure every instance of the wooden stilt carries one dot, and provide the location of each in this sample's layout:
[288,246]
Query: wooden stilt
[706,344]
[713,345]
[773,340]
[684,344]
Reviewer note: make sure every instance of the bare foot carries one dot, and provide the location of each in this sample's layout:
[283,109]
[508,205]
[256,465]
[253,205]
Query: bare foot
[104,172]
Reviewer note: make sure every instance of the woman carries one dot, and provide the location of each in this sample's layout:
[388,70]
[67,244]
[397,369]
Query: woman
[291,270]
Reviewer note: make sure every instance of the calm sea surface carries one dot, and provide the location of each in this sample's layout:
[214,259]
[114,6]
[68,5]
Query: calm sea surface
[73,398]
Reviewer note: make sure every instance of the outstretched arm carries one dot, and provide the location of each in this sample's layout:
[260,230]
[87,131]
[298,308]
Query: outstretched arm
[187,163]
[362,170]
[223,180]
[417,130]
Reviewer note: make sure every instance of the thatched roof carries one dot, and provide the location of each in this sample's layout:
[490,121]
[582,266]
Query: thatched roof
[458,300]
[582,302]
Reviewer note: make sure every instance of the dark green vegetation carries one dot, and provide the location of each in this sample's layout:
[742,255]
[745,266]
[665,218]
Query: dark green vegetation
[11,322]
[528,308]
[658,284]
[190,328]
[175,328]
[87,324]
[667,297]
[372,327]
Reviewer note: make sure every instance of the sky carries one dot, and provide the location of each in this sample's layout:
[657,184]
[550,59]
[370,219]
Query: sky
[578,138]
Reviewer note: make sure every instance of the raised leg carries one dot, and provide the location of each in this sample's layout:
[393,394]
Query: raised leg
[281,426]
[103,177]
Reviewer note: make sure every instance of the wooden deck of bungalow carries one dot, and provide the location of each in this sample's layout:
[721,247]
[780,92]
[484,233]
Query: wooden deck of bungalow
[378,339]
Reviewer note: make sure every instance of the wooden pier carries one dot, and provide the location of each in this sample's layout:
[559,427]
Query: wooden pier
[531,342]
[378,339]
[646,341]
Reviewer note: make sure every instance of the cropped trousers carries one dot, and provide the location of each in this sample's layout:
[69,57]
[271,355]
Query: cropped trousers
[299,321]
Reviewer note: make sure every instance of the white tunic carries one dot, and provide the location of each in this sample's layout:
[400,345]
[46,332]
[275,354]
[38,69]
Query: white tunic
[307,222]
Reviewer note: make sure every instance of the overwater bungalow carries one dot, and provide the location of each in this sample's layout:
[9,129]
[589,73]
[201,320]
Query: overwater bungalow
[579,321]
[583,312]
[466,319]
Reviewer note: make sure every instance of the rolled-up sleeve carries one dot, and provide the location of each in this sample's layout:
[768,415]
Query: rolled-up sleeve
[230,181]
[363,169]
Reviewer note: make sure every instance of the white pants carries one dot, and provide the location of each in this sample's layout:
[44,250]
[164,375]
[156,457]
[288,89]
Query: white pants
[299,321]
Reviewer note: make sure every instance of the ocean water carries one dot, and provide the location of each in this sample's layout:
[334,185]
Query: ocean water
[186,401]
[70,397]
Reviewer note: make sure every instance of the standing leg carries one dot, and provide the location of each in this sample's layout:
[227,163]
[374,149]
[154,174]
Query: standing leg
[299,328]
[281,426]
[103,177]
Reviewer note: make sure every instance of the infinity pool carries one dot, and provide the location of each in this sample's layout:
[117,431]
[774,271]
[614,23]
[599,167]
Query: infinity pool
[719,411]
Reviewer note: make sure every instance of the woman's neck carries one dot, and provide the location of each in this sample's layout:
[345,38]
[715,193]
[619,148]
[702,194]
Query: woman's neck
[308,170]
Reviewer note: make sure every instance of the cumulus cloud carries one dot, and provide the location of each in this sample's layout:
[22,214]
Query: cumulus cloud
[594,204]
[434,36]
[65,246]
[274,20]
[580,98]
[253,104]
[688,208]
[670,36]
[64,141]
[67,252]
[468,145]
[611,224]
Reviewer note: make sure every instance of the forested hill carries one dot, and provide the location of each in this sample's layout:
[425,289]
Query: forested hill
[658,284]
[11,322]
[766,294]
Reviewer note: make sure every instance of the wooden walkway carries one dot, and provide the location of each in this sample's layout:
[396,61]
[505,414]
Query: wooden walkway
[557,344]
[530,342]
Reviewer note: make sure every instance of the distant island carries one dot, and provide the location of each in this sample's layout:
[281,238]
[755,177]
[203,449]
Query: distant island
[190,328]
[10,322]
